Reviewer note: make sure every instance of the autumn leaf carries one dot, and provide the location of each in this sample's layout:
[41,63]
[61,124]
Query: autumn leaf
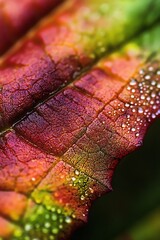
[16,17]
[77,94]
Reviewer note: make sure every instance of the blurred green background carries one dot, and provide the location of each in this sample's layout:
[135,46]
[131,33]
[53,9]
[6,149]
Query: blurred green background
[132,210]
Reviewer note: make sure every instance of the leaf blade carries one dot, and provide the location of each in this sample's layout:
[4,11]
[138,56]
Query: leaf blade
[59,136]
[29,12]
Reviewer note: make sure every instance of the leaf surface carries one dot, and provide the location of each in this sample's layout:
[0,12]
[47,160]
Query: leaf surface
[16,17]
[66,120]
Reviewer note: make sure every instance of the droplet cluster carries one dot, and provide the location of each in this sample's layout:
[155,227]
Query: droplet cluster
[44,224]
[139,102]
[81,181]
[144,100]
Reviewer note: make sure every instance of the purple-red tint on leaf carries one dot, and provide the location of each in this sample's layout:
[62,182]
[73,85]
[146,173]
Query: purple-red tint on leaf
[16,17]
[66,121]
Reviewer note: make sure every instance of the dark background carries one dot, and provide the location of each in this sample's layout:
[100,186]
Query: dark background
[136,194]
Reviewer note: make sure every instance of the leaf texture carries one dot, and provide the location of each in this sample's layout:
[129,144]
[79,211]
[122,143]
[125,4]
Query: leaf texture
[16,17]
[67,118]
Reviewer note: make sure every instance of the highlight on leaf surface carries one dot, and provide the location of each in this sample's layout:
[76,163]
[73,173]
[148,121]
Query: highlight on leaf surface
[66,121]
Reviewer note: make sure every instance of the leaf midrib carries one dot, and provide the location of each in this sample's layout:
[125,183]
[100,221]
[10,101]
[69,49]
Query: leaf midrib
[84,71]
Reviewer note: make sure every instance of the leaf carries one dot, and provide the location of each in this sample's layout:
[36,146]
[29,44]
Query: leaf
[67,120]
[16,17]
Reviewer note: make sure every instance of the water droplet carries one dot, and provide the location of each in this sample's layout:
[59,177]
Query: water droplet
[68,220]
[44,230]
[47,225]
[147,77]
[142,97]
[28,227]
[60,226]
[133,82]
[158,85]
[54,217]
[150,68]
[91,190]
[82,197]
[127,105]
[153,94]
[77,172]
[59,210]
[153,83]
[140,110]
[55,230]
[153,115]
[141,71]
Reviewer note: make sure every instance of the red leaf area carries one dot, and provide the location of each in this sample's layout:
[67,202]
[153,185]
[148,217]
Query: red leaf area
[62,135]
[81,130]
[16,17]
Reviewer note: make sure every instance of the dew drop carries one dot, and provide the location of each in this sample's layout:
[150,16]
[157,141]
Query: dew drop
[59,210]
[127,105]
[147,77]
[142,97]
[68,220]
[158,85]
[153,83]
[153,115]
[28,227]
[60,226]
[91,190]
[153,94]
[140,110]
[133,82]
[133,129]
[44,230]
[73,215]
[47,225]
[77,172]
[82,197]
[123,125]
[150,68]
[55,230]
[54,217]
[141,71]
